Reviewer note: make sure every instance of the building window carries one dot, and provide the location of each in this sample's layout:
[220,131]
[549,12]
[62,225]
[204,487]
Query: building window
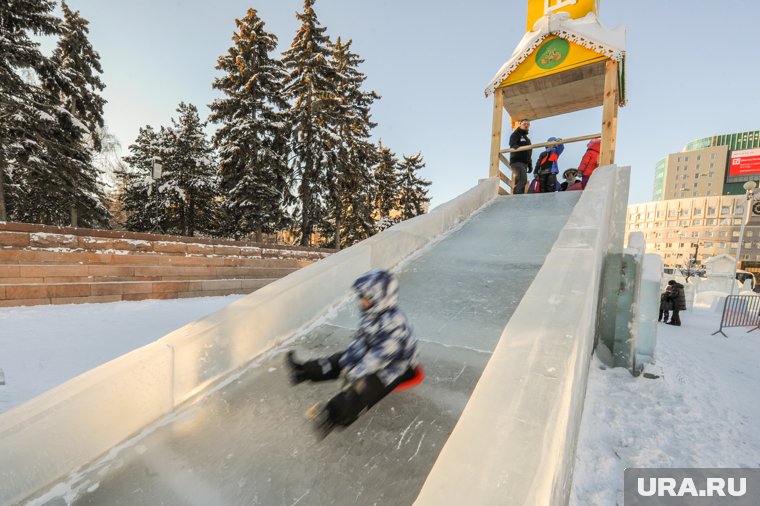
[672,223]
[696,223]
[695,234]
[696,184]
[725,210]
[711,211]
[650,216]
[709,193]
[685,158]
[725,221]
[735,233]
[739,210]
[698,158]
[712,157]
[697,211]
[723,233]
[707,245]
[737,221]
[708,233]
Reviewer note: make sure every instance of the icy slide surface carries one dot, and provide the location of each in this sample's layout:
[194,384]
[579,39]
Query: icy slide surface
[248,443]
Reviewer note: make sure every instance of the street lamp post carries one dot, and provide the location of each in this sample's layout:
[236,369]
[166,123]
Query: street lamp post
[749,187]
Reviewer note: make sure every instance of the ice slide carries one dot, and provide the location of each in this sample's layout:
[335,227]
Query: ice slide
[231,435]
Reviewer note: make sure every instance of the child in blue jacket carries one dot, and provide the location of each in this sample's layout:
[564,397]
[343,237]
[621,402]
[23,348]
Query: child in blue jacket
[382,355]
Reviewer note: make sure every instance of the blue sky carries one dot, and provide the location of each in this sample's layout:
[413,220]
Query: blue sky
[692,71]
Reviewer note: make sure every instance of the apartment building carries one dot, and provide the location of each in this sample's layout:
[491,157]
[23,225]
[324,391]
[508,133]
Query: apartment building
[699,227]
[711,166]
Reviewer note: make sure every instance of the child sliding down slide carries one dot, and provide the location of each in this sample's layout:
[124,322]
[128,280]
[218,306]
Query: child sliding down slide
[381,357]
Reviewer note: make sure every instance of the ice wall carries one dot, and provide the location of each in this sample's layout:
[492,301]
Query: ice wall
[515,441]
[50,436]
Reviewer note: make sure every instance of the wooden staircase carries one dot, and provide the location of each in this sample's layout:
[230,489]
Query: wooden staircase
[58,265]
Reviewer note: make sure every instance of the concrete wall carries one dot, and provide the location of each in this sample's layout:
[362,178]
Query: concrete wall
[50,436]
[515,441]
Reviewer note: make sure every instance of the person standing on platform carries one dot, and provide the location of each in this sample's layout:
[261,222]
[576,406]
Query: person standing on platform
[520,161]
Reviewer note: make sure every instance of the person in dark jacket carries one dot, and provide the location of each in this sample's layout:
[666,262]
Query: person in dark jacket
[382,355]
[665,305]
[678,299]
[520,161]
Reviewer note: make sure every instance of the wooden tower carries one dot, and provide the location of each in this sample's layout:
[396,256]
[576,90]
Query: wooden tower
[566,61]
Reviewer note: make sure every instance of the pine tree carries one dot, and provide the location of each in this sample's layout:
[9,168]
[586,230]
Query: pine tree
[24,116]
[190,181]
[310,87]
[141,200]
[349,173]
[387,188]
[412,188]
[252,141]
[75,89]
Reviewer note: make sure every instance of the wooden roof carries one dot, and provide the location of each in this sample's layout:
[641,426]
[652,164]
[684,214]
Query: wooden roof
[571,90]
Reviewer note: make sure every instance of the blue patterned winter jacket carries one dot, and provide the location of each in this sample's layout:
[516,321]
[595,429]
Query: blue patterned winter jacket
[384,343]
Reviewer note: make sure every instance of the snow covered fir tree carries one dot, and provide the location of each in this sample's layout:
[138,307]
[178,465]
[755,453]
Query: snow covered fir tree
[310,86]
[51,109]
[412,189]
[181,197]
[290,154]
[79,115]
[252,139]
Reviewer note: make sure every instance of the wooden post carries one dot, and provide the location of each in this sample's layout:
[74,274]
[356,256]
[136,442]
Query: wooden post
[498,109]
[609,114]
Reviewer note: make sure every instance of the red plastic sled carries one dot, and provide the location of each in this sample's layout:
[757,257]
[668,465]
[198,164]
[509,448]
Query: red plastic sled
[415,380]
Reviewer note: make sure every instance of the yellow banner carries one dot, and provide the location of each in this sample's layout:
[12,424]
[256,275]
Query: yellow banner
[577,9]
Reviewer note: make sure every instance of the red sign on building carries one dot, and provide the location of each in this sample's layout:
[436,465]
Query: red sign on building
[744,162]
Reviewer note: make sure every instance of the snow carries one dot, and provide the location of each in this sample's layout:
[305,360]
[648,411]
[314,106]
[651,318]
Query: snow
[700,412]
[44,346]
[587,31]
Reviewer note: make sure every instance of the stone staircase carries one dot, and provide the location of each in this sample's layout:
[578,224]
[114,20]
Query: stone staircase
[59,265]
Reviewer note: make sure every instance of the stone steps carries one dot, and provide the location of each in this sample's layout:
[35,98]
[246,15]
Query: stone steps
[28,294]
[54,265]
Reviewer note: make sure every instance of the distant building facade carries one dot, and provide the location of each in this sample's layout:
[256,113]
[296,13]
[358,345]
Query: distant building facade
[699,202]
[711,166]
[700,227]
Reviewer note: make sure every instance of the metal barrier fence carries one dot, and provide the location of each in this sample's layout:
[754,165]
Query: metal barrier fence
[740,311]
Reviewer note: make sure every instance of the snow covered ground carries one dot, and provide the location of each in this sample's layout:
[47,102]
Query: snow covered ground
[702,411]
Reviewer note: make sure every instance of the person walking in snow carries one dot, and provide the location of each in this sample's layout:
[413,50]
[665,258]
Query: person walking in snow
[678,299]
[590,160]
[382,355]
[520,161]
[547,167]
[665,305]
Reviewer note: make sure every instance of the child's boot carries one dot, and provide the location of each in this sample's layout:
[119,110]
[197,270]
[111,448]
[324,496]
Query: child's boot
[319,416]
[297,373]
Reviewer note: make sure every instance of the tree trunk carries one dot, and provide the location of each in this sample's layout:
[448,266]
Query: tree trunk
[259,232]
[306,205]
[337,229]
[74,216]
[3,215]
[191,217]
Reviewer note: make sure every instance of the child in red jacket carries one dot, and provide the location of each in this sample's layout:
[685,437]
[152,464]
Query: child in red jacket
[590,160]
